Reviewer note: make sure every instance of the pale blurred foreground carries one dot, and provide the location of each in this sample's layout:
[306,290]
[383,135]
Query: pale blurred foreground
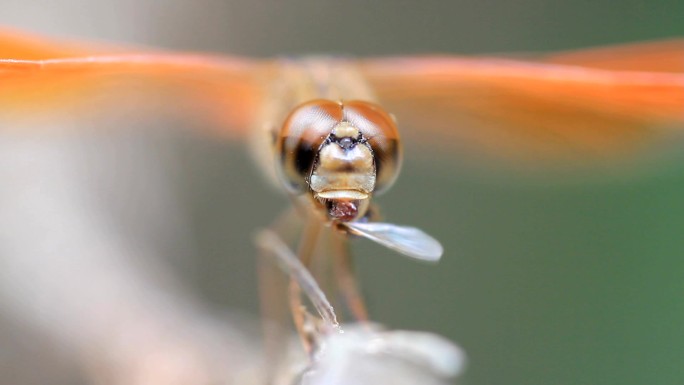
[93,238]
[371,356]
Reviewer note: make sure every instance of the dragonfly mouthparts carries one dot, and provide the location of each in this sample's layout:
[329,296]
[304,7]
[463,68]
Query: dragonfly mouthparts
[344,205]
[344,211]
[342,194]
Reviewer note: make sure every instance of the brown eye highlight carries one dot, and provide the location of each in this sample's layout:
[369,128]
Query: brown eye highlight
[300,138]
[383,137]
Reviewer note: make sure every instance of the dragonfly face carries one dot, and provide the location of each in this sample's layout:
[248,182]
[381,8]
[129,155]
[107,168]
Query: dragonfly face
[340,153]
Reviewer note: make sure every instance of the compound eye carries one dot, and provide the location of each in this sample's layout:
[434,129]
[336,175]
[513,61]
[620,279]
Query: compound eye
[383,137]
[300,139]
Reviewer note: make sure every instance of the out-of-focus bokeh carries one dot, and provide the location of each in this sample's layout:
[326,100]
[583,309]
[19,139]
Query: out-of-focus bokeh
[546,279]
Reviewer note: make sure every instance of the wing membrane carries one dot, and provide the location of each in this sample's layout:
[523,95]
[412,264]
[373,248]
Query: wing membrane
[656,56]
[16,44]
[41,76]
[409,241]
[534,110]
[577,106]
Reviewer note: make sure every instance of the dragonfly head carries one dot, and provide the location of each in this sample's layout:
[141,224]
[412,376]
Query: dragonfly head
[341,153]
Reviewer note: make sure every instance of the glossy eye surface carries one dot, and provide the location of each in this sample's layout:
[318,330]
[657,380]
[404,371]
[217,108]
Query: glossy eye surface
[313,126]
[300,138]
[380,130]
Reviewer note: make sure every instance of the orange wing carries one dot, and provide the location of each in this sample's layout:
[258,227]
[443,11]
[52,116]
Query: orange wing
[584,105]
[572,106]
[40,75]
[656,56]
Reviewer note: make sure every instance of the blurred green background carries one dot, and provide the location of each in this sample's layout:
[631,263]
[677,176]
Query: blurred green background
[561,279]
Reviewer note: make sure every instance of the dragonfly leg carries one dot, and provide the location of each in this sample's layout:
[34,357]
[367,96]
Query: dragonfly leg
[273,312]
[307,246]
[272,284]
[345,280]
[308,326]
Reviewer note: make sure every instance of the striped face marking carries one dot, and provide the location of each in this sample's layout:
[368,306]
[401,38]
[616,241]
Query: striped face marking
[340,153]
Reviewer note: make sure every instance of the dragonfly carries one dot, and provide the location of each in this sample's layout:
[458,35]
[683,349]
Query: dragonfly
[326,129]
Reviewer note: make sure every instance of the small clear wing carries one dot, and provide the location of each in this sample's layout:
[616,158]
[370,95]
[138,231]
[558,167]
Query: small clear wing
[410,241]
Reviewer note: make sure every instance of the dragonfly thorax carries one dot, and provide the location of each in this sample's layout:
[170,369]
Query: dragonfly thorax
[340,153]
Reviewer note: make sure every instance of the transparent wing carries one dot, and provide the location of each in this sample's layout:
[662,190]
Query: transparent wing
[40,76]
[408,241]
[579,106]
